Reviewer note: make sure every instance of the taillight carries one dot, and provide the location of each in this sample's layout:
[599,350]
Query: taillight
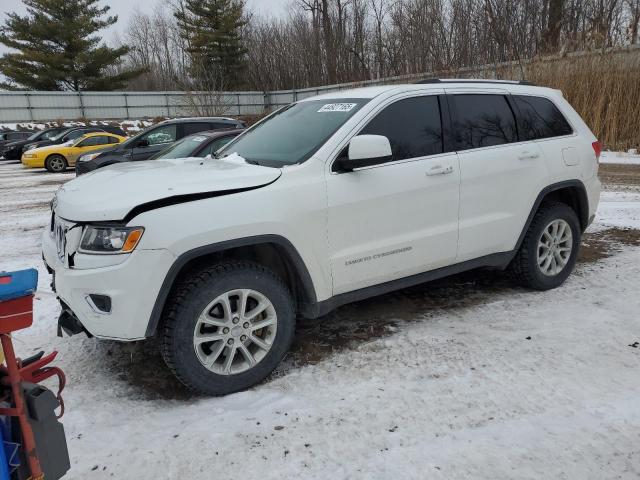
[597,148]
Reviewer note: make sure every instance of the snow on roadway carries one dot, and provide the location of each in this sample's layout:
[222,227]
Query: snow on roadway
[625,158]
[494,382]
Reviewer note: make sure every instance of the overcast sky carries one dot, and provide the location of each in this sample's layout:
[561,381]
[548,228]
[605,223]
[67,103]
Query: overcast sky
[124,8]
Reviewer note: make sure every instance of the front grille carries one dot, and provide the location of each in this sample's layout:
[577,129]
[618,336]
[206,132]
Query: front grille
[59,230]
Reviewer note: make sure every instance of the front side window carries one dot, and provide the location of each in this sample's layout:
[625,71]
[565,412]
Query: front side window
[295,132]
[163,134]
[483,121]
[540,118]
[412,125]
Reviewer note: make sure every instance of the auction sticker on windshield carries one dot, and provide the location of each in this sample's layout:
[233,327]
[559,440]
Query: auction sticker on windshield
[337,107]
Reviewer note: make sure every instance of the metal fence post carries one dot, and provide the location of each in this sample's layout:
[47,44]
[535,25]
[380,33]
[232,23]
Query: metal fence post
[166,97]
[266,101]
[126,105]
[82,112]
[29,107]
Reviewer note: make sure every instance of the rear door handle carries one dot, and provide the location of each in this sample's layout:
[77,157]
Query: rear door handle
[528,156]
[439,170]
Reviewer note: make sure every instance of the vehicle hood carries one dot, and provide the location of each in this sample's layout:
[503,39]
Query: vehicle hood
[15,143]
[122,191]
[48,148]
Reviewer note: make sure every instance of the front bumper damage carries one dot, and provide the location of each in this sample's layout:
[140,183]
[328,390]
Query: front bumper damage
[132,286]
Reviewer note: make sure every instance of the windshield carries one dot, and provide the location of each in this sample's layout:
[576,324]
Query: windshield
[35,135]
[60,135]
[294,133]
[182,149]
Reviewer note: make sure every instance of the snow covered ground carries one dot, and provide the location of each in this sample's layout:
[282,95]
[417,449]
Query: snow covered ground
[468,377]
[625,158]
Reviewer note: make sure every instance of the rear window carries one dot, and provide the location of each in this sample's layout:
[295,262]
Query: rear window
[221,126]
[195,127]
[483,121]
[540,118]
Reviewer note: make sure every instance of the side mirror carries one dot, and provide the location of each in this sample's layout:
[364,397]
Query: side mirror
[365,151]
[142,143]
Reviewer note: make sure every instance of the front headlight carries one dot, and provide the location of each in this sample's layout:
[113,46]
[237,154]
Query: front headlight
[88,157]
[30,147]
[110,240]
[29,155]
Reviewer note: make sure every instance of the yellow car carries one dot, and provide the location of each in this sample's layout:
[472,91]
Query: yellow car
[56,158]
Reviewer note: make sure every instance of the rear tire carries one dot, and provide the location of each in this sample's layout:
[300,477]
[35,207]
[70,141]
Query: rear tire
[56,164]
[550,247]
[212,338]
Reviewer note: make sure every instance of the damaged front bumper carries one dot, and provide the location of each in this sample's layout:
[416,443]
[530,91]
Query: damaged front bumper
[131,287]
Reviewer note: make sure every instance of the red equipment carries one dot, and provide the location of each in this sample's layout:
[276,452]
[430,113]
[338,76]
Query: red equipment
[16,314]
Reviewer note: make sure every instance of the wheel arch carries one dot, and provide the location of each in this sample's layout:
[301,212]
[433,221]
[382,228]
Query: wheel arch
[570,192]
[272,251]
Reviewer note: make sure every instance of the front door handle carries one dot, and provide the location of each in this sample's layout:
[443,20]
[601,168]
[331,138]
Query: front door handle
[528,156]
[439,170]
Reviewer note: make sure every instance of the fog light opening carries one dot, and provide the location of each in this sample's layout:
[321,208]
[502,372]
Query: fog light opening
[99,303]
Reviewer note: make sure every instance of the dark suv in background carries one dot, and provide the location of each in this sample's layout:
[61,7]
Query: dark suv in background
[12,136]
[12,149]
[152,140]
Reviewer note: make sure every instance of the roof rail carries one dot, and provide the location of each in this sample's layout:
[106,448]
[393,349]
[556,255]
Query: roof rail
[472,80]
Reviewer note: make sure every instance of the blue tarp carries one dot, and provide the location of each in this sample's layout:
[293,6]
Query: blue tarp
[18,284]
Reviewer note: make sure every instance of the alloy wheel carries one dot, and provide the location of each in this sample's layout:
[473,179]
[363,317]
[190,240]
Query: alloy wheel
[554,247]
[57,164]
[235,331]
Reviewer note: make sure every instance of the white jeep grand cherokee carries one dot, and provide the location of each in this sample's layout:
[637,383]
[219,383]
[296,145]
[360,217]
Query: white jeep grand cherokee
[327,201]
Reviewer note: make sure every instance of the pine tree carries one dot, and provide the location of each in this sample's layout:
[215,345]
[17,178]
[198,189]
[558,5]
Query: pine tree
[212,30]
[58,49]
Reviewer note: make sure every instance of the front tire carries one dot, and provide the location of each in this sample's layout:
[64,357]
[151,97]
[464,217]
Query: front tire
[550,247]
[55,163]
[228,327]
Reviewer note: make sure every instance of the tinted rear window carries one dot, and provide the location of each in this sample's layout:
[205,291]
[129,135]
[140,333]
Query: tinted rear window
[195,127]
[483,121]
[540,118]
[221,126]
[412,126]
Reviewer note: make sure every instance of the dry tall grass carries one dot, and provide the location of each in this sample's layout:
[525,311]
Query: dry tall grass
[604,88]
